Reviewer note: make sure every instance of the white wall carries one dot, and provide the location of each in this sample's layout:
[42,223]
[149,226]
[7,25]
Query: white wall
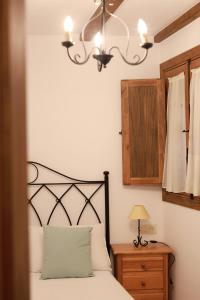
[74,116]
[181,225]
[73,123]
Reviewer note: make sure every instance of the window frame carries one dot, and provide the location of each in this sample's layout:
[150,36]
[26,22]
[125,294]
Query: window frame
[182,62]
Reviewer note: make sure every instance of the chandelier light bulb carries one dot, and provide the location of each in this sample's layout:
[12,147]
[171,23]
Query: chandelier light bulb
[143,30]
[68,27]
[142,27]
[98,39]
[68,24]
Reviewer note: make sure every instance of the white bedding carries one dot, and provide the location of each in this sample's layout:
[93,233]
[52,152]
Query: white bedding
[103,286]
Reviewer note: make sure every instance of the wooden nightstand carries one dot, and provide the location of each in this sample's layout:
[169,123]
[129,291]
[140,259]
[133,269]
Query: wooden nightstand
[142,271]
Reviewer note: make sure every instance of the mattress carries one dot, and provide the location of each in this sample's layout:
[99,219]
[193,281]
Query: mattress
[102,286]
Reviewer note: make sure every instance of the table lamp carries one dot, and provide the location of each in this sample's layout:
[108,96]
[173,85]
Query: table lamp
[139,212]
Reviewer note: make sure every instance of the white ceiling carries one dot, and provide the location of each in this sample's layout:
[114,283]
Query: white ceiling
[47,16]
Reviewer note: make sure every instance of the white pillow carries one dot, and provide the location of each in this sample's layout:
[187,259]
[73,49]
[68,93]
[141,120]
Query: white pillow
[100,257]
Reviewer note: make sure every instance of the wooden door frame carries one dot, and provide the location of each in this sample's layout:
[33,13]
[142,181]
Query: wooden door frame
[14,279]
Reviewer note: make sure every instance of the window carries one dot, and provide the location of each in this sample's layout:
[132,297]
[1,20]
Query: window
[184,64]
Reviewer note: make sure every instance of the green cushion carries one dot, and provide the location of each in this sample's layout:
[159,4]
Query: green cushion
[66,252]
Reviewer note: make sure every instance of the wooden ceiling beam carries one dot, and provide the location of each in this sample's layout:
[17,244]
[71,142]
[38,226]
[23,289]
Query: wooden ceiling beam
[188,17]
[94,26]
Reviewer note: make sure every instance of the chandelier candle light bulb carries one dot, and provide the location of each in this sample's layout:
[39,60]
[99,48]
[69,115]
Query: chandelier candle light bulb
[68,27]
[98,42]
[143,30]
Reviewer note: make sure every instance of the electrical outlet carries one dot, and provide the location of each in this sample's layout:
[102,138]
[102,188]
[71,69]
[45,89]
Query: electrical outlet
[148,228]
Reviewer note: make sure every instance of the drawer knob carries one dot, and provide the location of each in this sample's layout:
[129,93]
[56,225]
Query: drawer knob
[143,267]
[143,284]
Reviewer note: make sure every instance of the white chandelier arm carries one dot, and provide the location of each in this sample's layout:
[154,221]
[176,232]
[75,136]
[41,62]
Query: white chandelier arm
[86,24]
[125,26]
[77,57]
[135,57]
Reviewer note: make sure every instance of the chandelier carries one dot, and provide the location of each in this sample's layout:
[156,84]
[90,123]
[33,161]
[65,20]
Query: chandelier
[102,54]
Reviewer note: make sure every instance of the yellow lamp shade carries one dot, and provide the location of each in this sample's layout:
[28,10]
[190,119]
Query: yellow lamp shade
[139,212]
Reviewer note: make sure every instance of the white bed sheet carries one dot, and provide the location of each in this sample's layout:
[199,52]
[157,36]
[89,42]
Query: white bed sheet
[102,286]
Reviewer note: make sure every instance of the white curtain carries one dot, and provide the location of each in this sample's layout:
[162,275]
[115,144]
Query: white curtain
[174,175]
[193,169]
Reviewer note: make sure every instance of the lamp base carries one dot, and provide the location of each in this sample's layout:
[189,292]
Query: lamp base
[138,242]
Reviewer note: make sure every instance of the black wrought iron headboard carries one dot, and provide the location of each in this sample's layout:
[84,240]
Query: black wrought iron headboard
[70,183]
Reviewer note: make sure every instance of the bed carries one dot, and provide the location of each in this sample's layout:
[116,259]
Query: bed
[102,286]
[50,198]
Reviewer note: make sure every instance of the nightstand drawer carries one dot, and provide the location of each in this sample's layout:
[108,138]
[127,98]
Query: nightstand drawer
[147,296]
[142,263]
[143,280]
